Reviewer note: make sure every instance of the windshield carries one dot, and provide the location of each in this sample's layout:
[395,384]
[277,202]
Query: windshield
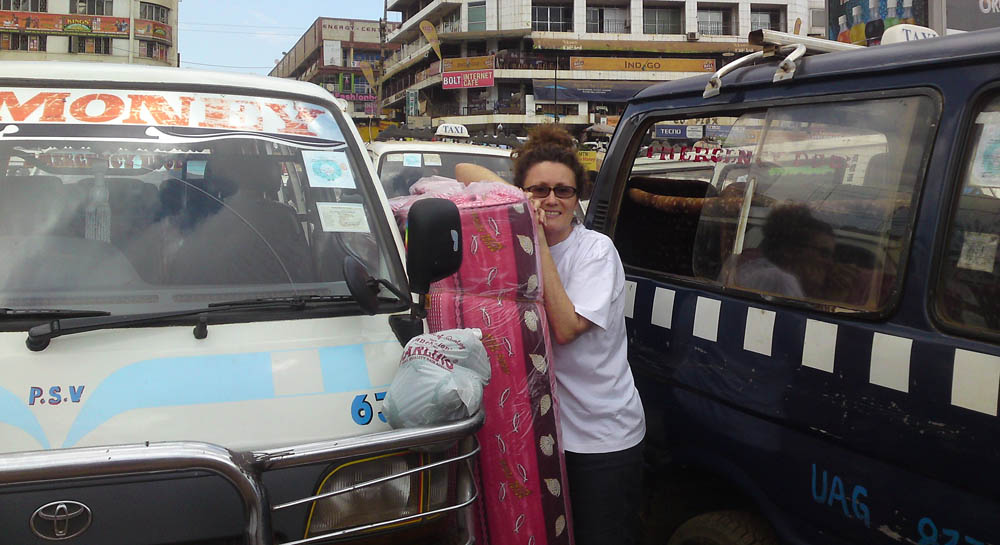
[400,170]
[136,202]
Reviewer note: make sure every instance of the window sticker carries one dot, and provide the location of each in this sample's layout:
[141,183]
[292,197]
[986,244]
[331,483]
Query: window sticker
[341,217]
[394,158]
[432,160]
[411,160]
[979,252]
[986,166]
[328,169]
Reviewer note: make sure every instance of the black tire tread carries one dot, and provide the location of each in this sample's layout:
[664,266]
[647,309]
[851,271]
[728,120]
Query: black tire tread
[724,528]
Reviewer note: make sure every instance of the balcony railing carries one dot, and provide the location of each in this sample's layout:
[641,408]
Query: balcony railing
[530,61]
[491,107]
[609,27]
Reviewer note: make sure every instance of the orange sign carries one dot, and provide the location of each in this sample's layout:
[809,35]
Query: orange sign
[154,108]
[81,25]
[151,29]
[618,64]
[467,63]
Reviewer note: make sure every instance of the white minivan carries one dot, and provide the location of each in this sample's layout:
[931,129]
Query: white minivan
[203,299]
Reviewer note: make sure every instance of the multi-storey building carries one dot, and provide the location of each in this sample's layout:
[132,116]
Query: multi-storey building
[516,63]
[330,54]
[133,31]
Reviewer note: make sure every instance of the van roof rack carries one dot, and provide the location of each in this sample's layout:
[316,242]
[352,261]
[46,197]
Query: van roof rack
[773,43]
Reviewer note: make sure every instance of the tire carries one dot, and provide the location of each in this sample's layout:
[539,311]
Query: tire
[724,528]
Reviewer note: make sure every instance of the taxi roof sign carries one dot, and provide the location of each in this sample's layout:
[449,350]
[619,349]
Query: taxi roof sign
[453,130]
[907,33]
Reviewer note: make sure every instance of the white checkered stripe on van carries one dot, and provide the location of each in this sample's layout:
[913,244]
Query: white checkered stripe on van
[975,376]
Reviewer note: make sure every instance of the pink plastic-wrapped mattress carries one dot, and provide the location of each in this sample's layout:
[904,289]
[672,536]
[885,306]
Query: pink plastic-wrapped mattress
[523,493]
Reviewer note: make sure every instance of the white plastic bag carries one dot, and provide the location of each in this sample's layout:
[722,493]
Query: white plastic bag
[440,379]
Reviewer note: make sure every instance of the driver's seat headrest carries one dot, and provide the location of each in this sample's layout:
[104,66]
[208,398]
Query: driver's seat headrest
[232,173]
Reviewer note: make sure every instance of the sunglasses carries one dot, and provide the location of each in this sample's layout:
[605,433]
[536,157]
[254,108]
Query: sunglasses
[542,191]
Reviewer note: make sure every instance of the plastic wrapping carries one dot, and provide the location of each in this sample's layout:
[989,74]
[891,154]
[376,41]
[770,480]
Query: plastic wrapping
[498,256]
[497,290]
[440,379]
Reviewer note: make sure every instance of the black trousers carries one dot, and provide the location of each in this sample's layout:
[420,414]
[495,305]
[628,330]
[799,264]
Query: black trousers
[605,492]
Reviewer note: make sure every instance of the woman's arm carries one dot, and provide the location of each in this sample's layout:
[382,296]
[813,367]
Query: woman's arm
[470,172]
[565,324]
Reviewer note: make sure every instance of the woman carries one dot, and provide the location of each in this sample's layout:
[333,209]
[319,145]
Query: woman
[601,416]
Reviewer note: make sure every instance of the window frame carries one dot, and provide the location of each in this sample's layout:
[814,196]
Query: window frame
[155,12]
[645,120]
[477,22]
[562,21]
[662,11]
[145,46]
[107,7]
[34,6]
[82,40]
[726,13]
[951,198]
[773,18]
[25,38]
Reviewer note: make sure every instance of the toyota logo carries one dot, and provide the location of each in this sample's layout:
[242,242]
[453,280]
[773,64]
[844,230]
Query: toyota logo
[61,520]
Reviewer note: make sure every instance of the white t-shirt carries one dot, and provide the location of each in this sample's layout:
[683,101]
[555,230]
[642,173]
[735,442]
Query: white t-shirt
[761,274]
[600,409]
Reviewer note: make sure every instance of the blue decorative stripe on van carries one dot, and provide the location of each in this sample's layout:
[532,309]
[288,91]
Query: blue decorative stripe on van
[340,366]
[198,380]
[14,412]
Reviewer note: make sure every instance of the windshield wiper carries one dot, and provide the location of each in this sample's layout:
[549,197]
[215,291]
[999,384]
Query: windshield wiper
[40,335]
[46,312]
[291,300]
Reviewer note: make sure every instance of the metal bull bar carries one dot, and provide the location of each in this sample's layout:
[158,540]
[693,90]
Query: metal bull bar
[244,469]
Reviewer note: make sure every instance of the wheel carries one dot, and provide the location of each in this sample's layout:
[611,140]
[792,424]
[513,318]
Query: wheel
[724,528]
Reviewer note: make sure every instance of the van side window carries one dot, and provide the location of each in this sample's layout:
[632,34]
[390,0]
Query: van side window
[969,283]
[809,202]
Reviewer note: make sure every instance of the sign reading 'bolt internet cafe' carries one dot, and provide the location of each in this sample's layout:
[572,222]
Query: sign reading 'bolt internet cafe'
[468,79]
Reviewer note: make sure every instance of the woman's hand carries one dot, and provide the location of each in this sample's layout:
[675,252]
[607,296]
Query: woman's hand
[540,218]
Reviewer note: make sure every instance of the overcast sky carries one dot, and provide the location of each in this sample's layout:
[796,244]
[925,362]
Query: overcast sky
[250,35]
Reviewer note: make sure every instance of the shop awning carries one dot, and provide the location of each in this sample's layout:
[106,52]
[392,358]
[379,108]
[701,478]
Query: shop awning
[570,44]
[589,90]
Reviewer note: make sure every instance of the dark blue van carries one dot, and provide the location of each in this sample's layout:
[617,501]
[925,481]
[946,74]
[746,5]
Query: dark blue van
[815,296]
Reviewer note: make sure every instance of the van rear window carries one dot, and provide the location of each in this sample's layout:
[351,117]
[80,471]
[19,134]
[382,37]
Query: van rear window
[808,202]
[969,284]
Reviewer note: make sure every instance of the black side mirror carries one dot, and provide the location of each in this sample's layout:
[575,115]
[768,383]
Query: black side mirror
[363,287]
[434,243]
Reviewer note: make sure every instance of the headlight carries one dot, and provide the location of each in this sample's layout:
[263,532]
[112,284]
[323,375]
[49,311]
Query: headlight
[412,494]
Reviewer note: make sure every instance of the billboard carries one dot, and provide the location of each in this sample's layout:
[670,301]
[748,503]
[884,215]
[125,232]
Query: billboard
[412,102]
[468,80]
[349,30]
[691,132]
[81,25]
[622,64]
[855,21]
[587,90]
[333,53]
[973,14]
[465,64]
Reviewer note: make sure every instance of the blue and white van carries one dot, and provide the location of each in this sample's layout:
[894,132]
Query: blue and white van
[197,273]
[814,313]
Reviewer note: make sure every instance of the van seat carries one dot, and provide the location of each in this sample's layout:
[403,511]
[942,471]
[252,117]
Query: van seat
[253,239]
[661,219]
[33,205]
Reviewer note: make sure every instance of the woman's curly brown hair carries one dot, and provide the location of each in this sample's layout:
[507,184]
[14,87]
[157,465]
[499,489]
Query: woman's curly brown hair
[547,143]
